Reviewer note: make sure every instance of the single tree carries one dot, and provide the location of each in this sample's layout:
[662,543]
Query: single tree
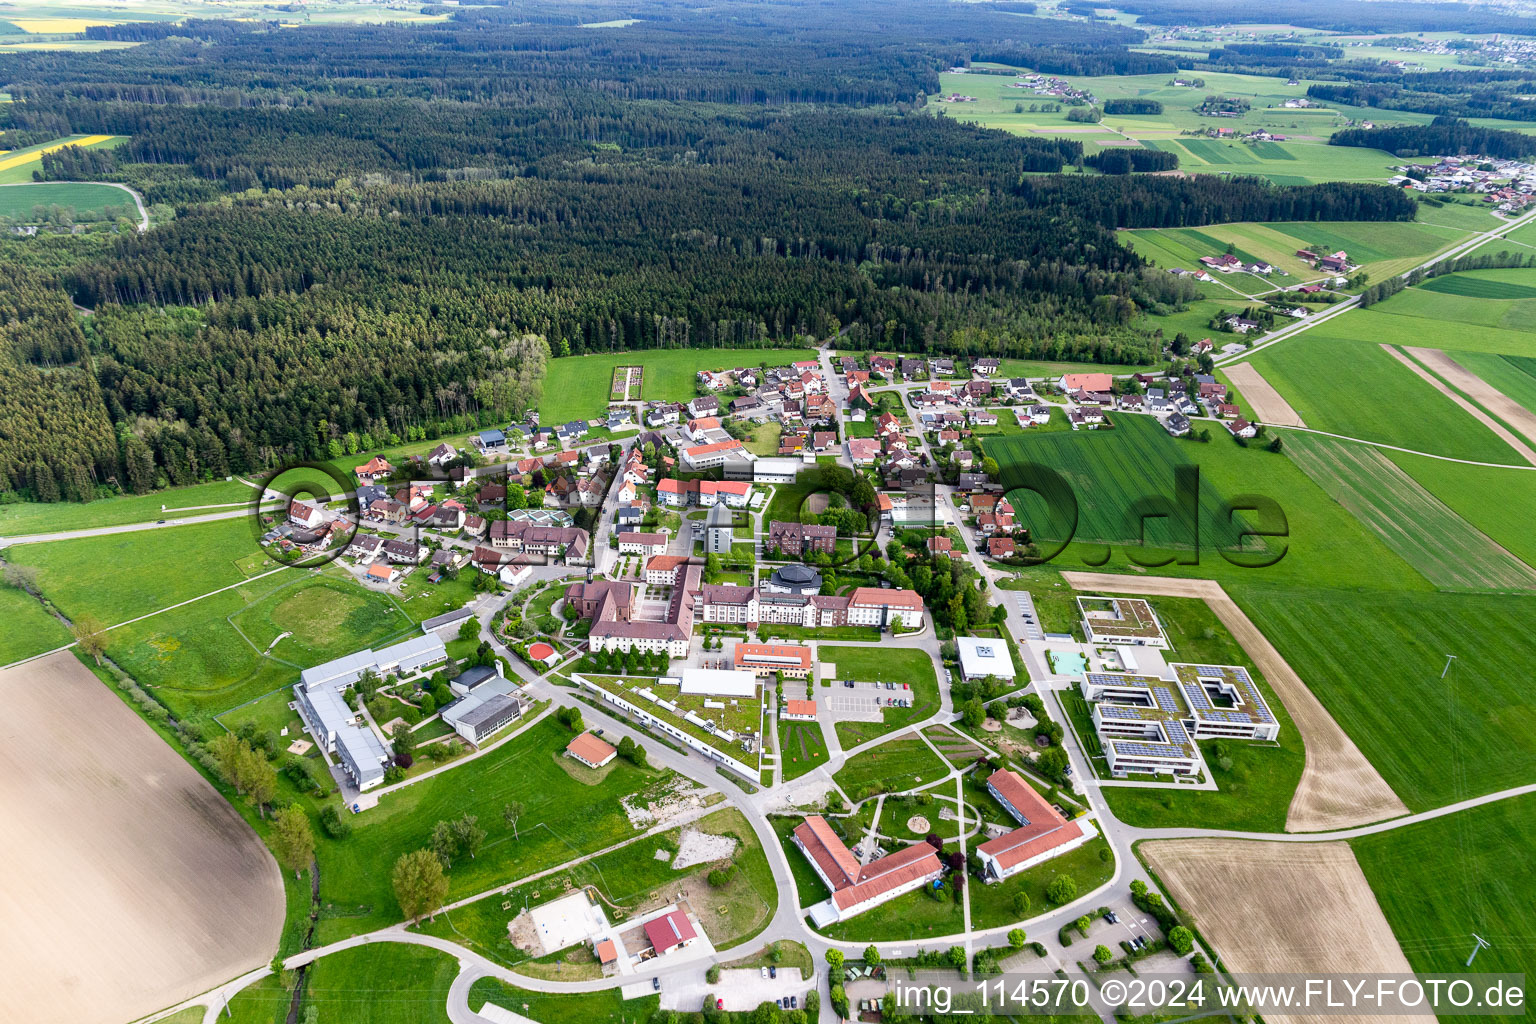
[834,958]
[225,749]
[871,955]
[468,834]
[444,843]
[1017,938]
[1102,954]
[1063,890]
[257,778]
[403,740]
[292,840]
[419,883]
[510,812]
[1181,939]
[91,636]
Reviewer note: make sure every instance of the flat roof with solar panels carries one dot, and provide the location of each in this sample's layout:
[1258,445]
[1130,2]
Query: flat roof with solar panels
[1225,701]
[1121,620]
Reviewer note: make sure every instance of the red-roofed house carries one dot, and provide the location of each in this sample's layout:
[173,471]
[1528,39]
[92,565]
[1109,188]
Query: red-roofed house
[874,606]
[1071,382]
[590,750]
[800,710]
[1000,547]
[376,467]
[857,888]
[303,514]
[669,932]
[1042,833]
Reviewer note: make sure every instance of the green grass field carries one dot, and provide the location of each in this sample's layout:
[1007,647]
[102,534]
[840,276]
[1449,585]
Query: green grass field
[1341,381]
[603,1007]
[16,166]
[25,518]
[916,915]
[382,983]
[120,576]
[1256,792]
[1090,866]
[892,766]
[884,665]
[1500,302]
[19,201]
[1450,552]
[578,387]
[1514,376]
[1376,664]
[802,748]
[1324,543]
[1439,881]
[1466,489]
[564,817]
[29,629]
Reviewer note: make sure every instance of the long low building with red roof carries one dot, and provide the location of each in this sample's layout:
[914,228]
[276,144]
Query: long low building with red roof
[1042,833]
[858,887]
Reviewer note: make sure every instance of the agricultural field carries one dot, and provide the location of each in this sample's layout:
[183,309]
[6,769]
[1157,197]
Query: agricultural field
[1255,792]
[128,866]
[26,517]
[1383,248]
[88,200]
[564,817]
[1512,376]
[1340,379]
[1449,551]
[29,628]
[1466,488]
[117,577]
[893,766]
[1376,665]
[382,983]
[1441,880]
[577,387]
[17,165]
[1323,543]
[802,748]
[880,665]
[1502,302]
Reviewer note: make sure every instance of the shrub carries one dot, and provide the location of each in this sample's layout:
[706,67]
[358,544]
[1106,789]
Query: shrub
[335,824]
[713,974]
[1182,940]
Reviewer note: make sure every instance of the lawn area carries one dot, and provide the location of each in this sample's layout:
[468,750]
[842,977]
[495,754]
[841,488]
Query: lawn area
[321,618]
[17,165]
[29,629]
[1466,489]
[1439,881]
[917,915]
[120,576]
[1430,536]
[894,765]
[564,816]
[578,387]
[809,887]
[880,665]
[1376,665]
[764,440]
[1090,865]
[382,983]
[1341,381]
[802,748]
[1256,793]
[28,517]
[562,1008]
[264,1002]
[1504,299]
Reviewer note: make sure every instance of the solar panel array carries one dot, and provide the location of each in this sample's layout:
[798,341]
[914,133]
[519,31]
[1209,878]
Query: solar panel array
[1200,701]
[1145,748]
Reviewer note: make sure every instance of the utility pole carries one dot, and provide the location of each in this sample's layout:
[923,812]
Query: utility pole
[1448,659]
[1481,945]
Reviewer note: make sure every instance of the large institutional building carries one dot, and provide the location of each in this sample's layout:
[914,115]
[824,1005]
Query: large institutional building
[1042,833]
[858,887]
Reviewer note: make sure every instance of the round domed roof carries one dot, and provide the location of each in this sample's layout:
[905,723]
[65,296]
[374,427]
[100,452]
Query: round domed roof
[797,573]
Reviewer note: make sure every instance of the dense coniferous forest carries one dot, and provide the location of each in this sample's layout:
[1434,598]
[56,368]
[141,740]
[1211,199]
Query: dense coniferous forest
[1444,136]
[384,231]
[1378,16]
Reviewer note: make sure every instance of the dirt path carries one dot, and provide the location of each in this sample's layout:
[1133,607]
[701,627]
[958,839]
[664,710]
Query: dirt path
[1339,788]
[1266,404]
[1492,424]
[126,867]
[1281,908]
[1485,394]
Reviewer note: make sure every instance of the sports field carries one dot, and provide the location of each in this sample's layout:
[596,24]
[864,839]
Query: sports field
[1449,551]
[125,866]
[1439,881]
[1376,663]
[1341,381]
[577,387]
[17,202]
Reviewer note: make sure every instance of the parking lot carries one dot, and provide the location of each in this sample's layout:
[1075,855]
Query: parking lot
[863,702]
[741,989]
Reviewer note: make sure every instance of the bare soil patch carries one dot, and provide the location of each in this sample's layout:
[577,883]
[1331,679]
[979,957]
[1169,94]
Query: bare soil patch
[697,847]
[1272,907]
[132,884]
[1485,394]
[1267,404]
[917,824]
[1339,788]
[1492,424]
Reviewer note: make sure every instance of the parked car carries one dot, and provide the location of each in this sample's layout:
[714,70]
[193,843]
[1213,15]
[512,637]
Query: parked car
[773,972]
[764,972]
[794,1002]
[1112,917]
[656,984]
[719,1004]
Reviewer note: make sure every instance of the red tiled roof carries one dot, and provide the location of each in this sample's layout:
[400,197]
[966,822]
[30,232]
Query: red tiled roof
[670,931]
[889,598]
[1029,841]
[834,859]
[887,873]
[789,655]
[590,749]
[800,707]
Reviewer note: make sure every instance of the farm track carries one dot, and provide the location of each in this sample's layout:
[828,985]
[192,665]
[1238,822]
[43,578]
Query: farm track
[1504,434]
[1483,393]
